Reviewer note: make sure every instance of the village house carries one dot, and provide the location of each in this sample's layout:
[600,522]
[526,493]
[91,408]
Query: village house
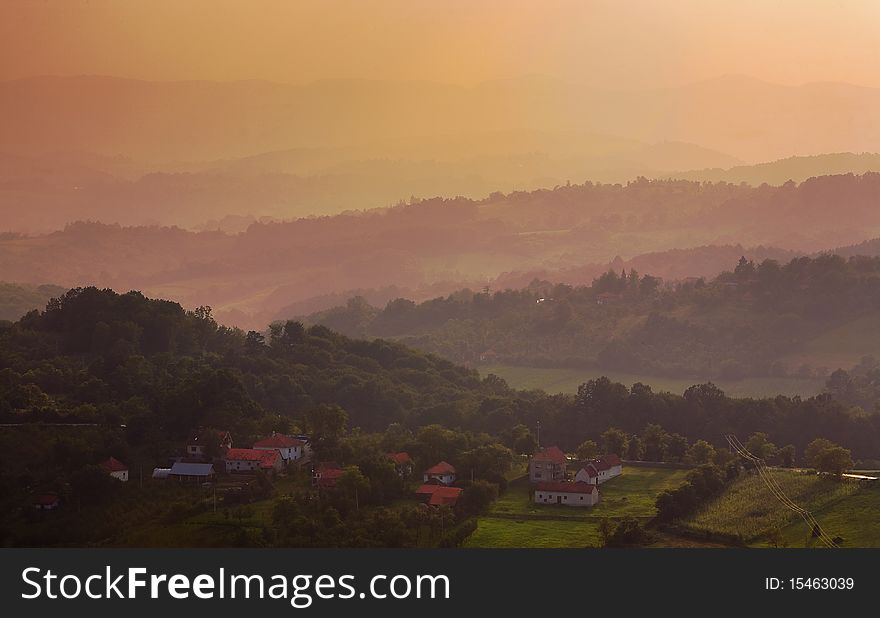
[192,472]
[566,493]
[325,475]
[115,468]
[442,472]
[207,443]
[608,467]
[587,474]
[251,460]
[439,495]
[403,463]
[289,448]
[547,465]
[46,502]
[599,470]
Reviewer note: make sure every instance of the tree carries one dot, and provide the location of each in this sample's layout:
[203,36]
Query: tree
[628,533]
[477,497]
[677,447]
[834,460]
[634,448]
[353,484]
[786,456]
[587,450]
[326,423]
[814,448]
[487,461]
[701,452]
[760,446]
[655,441]
[522,440]
[615,441]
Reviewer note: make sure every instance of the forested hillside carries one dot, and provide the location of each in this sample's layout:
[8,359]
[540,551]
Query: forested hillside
[753,320]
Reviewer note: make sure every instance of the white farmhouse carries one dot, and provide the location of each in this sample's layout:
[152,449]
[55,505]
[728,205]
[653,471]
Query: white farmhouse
[566,494]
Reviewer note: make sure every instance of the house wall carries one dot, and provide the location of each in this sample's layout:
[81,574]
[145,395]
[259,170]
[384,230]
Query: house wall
[545,471]
[446,479]
[122,475]
[568,499]
[235,465]
[583,477]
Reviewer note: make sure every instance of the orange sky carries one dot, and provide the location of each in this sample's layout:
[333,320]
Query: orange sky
[604,42]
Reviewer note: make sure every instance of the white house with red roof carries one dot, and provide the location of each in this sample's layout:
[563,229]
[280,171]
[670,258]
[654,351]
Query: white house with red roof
[289,448]
[587,474]
[548,464]
[566,493]
[442,472]
[251,460]
[115,468]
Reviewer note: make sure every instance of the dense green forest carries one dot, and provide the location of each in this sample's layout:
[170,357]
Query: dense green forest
[142,374]
[750,321]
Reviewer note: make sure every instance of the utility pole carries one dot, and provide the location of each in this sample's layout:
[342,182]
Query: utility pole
[538,436]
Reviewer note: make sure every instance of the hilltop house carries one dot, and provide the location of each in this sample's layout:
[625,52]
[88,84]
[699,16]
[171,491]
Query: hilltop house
[565,493]
[289,448]
[207,443]
[115,468]
[251,460]
[439,495]
[547,465]
[403,463]
[442,472]
[192,472]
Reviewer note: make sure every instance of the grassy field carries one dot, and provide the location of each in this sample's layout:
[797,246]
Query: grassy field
[530,533]
[749,510]
[513,519]
[562,380]
[854,518]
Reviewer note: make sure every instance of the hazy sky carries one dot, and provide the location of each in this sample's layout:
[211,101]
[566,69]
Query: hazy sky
[611,43]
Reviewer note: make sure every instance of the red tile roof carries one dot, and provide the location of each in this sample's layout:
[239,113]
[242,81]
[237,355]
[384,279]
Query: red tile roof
[328,477]
[278,441]
[114,465]
[552,454]
[445,496]
[600,464]
[441,468]
[267,459]
[590,469]
[46,499]
[565,487]
[400,458]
